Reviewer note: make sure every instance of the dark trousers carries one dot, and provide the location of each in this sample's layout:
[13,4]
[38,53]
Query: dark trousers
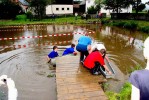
[96,68]
[84,53]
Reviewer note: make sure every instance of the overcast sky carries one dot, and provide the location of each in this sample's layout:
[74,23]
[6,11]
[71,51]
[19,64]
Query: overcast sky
[147,6]
[144,1]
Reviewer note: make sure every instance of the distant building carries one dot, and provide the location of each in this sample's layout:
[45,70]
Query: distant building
[23,4]
[60,7]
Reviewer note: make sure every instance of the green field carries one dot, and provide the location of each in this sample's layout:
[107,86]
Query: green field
[63,20]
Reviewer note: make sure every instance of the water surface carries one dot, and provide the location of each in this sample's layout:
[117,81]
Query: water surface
[24,59]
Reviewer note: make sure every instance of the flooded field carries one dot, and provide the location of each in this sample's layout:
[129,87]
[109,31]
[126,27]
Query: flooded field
[23,51]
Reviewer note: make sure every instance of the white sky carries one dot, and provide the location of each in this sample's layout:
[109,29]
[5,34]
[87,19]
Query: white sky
[147,6]
[143,1]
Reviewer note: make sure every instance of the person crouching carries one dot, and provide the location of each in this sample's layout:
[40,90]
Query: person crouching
[95,60]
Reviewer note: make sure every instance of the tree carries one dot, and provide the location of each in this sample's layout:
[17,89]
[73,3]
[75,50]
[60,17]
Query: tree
[91,10]
[94,9]
[116,5]
[9,10]
[39,7]
[147,3]
[141,7]
[137,5]
[98,4]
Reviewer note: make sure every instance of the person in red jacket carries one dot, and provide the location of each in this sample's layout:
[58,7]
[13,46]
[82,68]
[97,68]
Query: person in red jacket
[95,60]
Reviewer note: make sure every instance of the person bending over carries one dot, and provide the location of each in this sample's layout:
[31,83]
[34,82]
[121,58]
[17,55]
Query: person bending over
[83,43]
[98,47]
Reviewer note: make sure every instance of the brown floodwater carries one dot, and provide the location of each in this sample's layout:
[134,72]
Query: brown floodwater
[23,51]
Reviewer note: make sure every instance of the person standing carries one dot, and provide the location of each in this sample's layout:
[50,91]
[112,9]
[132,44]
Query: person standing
[83,44]
[76,15]
[140,79]
[53,16]
[100,15]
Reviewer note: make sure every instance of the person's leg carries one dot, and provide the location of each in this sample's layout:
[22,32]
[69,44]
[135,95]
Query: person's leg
[81,56]
[86,53]
[100,66]
[95,70]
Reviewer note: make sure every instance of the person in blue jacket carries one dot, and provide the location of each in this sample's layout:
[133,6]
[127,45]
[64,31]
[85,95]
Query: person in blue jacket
[53,54]
[83,43]
[70,50]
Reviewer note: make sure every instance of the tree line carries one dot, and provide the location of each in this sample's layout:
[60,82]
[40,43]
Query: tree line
[117,5]
[9,9]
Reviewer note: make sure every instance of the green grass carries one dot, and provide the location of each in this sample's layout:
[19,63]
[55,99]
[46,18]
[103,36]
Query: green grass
[142,26]
[124,94]
[51,75]
[70,20]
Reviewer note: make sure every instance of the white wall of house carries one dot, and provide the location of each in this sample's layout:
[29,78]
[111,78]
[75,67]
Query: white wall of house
[59,9]
[90,3]
[123,10]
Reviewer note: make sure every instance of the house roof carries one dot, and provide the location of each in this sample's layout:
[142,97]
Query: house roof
[76,5]
[24,2]
[83,2]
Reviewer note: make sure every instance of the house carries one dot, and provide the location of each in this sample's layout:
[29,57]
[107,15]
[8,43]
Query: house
[89,3]
[23,4]
[60,7]
[76,6]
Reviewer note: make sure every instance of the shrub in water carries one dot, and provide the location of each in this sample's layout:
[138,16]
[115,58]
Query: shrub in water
[118,24]
[145,29]
[130,25]
[105,21]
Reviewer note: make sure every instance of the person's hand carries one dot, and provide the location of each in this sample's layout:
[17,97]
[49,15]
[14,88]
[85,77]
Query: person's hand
[110,72]
[89,48]
[74,53]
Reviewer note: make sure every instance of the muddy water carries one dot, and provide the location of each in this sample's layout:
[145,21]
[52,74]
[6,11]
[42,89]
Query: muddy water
[24,59]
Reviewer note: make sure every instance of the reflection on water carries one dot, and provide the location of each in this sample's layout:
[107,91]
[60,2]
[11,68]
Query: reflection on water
[28,67]
[59,28]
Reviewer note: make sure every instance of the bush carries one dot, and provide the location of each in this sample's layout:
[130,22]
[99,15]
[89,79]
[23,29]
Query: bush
[119,24]
[145,29]
[91,10]
[21,17]
[124,94]
[29,15]
[105,21]
[130,25]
